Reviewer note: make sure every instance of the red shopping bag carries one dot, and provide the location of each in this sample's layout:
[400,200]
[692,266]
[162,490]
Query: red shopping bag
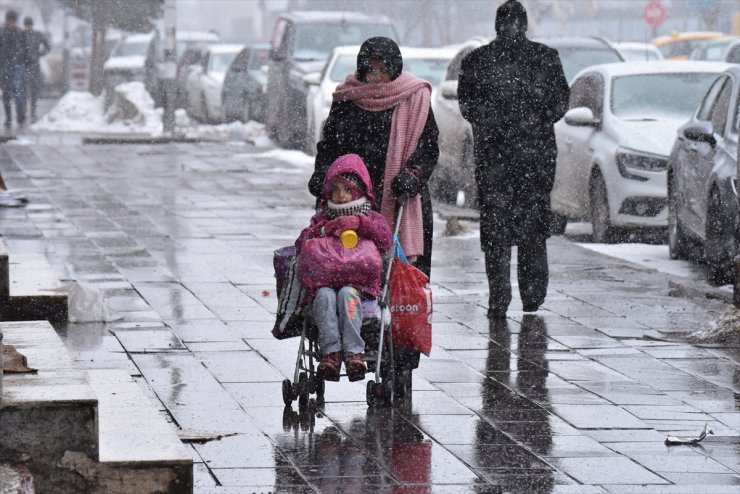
[411,307]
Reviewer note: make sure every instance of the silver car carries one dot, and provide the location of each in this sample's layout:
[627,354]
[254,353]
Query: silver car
[614,142]
[702,180]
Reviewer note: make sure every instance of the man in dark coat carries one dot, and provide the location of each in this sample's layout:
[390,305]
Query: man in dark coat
[13,59]
[512,91]
[38,46]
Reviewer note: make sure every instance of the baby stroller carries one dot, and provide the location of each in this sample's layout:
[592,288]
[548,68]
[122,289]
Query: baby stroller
[391,382]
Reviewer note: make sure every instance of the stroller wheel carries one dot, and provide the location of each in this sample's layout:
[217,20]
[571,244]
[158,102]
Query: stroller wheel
[287,392]
[303,390]
[287,418]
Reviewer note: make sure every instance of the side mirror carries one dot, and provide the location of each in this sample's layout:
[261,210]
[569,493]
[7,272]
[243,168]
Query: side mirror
[449,89]
[700,132]
[276,55]
[581,117]
[312,78]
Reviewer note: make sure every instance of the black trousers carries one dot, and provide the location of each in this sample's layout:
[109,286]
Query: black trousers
[532,272]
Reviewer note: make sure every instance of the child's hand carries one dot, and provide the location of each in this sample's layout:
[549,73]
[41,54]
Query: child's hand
[335,227]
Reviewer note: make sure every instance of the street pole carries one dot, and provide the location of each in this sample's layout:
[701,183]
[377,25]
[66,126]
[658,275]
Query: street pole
[169,67]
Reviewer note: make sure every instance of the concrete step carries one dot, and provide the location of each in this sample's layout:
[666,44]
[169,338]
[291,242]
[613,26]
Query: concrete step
[84,431]
[46,415]
[139,450]
[34,292]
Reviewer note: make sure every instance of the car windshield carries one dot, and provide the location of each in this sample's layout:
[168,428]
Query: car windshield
[647,96]
[430,69]
[127,49]
[345,65]
[576,59]
[316,40]
[220,61]
[638,54]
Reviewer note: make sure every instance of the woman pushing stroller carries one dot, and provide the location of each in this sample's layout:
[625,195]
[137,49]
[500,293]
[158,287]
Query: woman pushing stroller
[340,263]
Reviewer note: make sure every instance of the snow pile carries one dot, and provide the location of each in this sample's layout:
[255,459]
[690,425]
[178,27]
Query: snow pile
[133,107]
[78,111]
[253,132]
[132,111]
[724,329]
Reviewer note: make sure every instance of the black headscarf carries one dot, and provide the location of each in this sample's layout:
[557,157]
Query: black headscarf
[383,48]
[508,15]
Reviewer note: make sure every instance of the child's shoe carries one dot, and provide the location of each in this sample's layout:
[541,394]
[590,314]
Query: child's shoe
[329,368]
[356,366]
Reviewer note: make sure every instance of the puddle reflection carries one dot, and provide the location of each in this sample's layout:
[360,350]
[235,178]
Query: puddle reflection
[384,450]
[508,405]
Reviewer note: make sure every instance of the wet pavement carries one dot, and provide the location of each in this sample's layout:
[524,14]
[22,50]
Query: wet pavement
[578,398]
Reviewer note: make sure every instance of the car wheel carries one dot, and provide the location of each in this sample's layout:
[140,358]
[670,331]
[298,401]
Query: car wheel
[603,232]
[719,242]
[678,244]
[558,222]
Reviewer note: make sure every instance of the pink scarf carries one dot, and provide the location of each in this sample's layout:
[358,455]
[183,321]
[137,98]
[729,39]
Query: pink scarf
[409,96]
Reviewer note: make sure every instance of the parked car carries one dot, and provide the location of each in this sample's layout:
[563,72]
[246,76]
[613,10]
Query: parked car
[614,142]
[453,179]
[634,52]
[245,84]
[186,39]
[712,50]
[678,46]
[428,63]
[702,180]
[300,44]
[205,84]
[131,60]
[732,53]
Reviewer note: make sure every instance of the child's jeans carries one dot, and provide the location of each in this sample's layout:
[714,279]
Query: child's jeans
[338,315]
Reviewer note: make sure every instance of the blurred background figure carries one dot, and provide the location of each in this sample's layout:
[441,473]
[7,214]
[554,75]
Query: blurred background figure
[13,57]
[38,46]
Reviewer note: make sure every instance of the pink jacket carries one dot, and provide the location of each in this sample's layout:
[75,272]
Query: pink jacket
[373,226]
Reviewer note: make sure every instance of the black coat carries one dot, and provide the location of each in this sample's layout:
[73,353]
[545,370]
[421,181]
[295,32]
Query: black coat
[38,46]
[512,92]
[350,129]
[13,47]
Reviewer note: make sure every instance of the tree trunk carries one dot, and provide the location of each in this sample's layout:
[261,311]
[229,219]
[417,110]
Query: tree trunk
[97,57]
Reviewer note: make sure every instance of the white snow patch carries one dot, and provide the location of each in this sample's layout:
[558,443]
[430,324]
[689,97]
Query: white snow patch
[651,256]
[133,111]
[289,156]
[79,111]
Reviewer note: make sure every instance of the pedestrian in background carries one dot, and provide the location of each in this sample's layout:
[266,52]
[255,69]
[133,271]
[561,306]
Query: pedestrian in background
[38,46]
[13,60]
[512,91]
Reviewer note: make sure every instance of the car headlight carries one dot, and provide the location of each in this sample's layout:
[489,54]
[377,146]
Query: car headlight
[629,161]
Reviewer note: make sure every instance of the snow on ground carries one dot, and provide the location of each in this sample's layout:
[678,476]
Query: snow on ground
[294,157]
[133,111]
[651,256]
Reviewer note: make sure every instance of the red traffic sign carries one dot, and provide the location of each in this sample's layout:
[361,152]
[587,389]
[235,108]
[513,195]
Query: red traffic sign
[654,13]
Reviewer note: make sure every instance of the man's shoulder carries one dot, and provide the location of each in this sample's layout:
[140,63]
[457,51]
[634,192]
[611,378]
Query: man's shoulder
[541,49]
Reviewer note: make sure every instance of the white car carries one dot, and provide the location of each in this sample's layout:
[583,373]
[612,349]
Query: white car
[428,63]
[614,142]
[635,52]
[127,61]
[205,82]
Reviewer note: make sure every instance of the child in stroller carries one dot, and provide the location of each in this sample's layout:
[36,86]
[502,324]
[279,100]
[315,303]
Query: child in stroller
[343,279]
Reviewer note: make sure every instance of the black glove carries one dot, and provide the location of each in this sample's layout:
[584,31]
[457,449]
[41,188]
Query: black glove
[405,184]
